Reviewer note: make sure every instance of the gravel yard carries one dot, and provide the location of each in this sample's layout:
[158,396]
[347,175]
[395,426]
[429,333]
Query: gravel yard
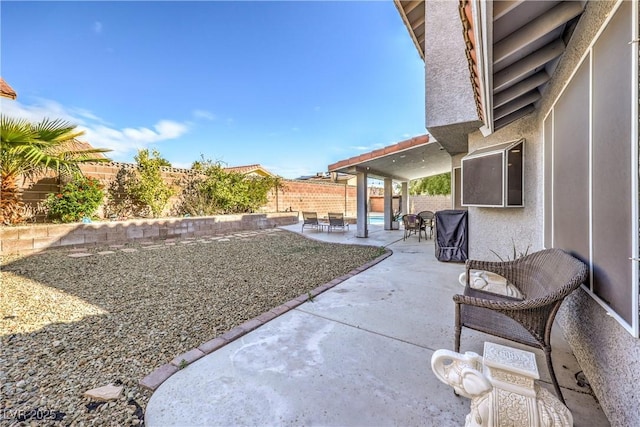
[72,323]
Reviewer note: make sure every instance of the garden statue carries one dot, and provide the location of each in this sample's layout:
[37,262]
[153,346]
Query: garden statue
[501,388]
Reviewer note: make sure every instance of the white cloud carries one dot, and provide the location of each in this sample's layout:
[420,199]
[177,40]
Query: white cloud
[44,108]
[97,27]
[130,139]
[366,147]
[168,129]
[203,114]
[98,132]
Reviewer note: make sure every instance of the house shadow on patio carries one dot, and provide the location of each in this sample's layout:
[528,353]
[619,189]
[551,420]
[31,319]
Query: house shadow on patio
[358,354]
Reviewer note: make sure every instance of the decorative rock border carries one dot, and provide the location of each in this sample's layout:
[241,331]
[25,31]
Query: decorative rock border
[162,373]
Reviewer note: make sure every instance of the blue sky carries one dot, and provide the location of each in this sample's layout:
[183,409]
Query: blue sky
[294,86]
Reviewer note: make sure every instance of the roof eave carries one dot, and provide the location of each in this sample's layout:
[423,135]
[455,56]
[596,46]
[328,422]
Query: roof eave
[477,32]
[409,26]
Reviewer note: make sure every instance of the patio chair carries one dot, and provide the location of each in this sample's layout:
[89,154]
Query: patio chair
[310,219]
[427,222]
[412,224]
[545,278]
[336,220]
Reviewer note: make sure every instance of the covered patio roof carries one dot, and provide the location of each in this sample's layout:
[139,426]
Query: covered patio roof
[413,158]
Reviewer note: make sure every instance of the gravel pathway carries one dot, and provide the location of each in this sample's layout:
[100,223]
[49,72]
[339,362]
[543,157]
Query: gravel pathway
[73,320]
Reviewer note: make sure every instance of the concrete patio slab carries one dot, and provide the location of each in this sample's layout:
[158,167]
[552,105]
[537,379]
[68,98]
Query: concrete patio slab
[289,372]
[359,354]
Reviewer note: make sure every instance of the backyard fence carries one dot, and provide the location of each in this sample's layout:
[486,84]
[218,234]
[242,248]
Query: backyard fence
[295,195]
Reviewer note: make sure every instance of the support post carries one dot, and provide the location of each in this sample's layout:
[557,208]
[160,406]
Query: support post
[405,198]
[361,201]
[388,203]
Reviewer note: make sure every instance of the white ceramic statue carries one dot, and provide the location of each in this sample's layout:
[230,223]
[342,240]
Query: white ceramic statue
[501,388]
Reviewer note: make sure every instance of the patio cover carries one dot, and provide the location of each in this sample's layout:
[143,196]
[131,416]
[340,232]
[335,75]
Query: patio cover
[413,158]
[407,160]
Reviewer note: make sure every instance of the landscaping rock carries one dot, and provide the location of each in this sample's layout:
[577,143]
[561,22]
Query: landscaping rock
[104,393]
[74,323]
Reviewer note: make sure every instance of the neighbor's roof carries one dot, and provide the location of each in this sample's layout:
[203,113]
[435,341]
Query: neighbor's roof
[76,145]
[256,169]
[6,90]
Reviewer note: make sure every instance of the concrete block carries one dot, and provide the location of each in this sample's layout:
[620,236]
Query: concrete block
[250,325]
[187,357]
[45,243]
[15,246]
[72,239]
[31,233]
[9,233]
[157,377]
[134,233]
[151,232]
[233,334]
[95,237]
[212,345]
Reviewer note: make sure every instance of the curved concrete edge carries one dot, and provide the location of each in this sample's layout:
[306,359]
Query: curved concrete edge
[162,373]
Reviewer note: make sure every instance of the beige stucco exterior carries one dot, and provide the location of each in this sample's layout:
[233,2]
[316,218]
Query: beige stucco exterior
[607,352]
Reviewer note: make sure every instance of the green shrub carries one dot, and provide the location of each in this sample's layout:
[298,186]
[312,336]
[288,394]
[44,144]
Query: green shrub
[139,192]
[78,199]
[217,191]
[432,185]
[148,187]
[121,203]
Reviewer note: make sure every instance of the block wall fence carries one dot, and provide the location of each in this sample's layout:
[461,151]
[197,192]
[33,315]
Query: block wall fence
[295,196]
[317,196]
[416,203]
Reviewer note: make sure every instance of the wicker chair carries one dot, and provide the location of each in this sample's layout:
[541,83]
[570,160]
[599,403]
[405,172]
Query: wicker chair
[545,278]
[428,219]
[412,224]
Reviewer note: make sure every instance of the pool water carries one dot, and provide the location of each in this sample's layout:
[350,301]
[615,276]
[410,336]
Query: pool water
[376,219]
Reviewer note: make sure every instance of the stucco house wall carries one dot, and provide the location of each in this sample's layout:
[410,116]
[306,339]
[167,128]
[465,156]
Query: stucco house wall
[499,229]
[449,95]
[450,104]
[608,354]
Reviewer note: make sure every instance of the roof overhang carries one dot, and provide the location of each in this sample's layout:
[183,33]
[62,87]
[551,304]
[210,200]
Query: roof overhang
[512,47]
[412,14]
[405,161]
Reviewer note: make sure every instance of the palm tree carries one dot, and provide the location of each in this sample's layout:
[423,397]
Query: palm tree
[27,149]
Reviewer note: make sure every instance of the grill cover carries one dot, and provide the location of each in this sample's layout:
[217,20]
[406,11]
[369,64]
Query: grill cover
[451,236]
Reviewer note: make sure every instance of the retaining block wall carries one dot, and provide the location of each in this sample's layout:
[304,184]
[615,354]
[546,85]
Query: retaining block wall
[34,238]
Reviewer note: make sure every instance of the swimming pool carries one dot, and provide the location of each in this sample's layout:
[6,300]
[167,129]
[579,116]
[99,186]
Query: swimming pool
[377,219]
